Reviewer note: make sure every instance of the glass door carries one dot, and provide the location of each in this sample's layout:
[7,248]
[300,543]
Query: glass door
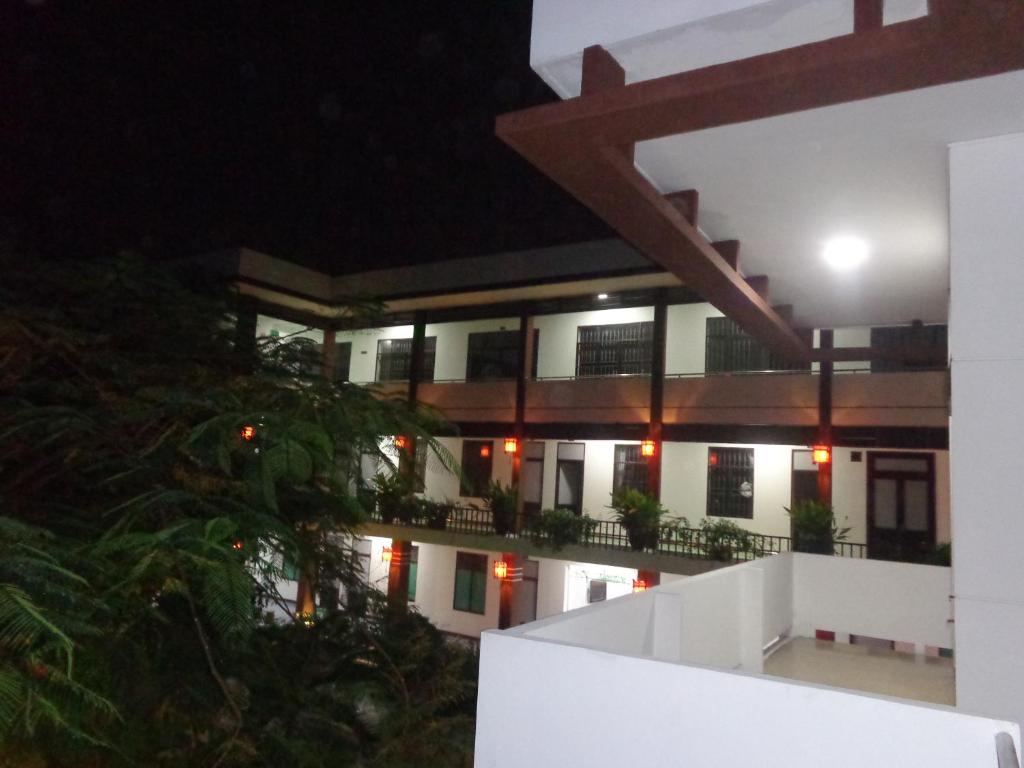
[901,506]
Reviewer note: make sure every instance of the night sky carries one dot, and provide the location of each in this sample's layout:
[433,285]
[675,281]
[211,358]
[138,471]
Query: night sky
[334,133]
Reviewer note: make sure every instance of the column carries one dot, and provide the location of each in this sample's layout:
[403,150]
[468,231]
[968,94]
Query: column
[398,573]
[825,418]
[987,362]
[507,589]
[523,375]
[657,393]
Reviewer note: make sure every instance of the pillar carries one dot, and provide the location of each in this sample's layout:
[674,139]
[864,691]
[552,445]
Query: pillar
[522,381]
[987,365]
[657,393]
[507,590]
[398,572]
[825,418]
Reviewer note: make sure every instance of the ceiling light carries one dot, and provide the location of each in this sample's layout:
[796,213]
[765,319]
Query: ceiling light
[602,295]
[845,253]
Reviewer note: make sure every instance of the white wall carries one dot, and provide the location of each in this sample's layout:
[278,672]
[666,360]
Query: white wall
[686,336]
[266,326]
[987,353]
[576,706]
[556,354]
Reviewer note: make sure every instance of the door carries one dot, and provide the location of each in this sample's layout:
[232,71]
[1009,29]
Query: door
[804,479]
[901,506]
[569,477]
[532,483]
[524,601]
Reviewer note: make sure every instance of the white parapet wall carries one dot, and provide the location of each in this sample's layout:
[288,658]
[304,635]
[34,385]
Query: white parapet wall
[546,703]
[671,676]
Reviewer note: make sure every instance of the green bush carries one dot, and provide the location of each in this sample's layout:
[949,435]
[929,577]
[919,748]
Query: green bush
[502,501]
[724,540]
[815,529]
[559,527]
[435,514]
[394,497]
[640,515]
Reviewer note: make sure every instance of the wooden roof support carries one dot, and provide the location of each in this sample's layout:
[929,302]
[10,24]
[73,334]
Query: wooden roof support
[728,250]
[760,284]
[686,202]
[867,15]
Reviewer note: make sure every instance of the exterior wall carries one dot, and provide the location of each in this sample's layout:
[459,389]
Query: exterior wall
[266,326]
[987,351]
[685,337]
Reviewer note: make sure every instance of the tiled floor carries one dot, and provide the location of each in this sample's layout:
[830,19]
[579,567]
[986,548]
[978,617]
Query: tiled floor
[864,669]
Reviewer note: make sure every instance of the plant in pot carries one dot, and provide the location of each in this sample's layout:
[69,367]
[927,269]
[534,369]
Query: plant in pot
[394,497]
[814,528]
[640,515]
[724,540]
[559,527]
[435,514]
[502,500]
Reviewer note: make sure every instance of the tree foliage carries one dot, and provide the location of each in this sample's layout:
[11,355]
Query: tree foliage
[142,539]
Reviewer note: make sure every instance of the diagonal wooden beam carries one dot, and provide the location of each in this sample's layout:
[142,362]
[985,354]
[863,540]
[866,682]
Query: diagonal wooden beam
[760,284]
[686,202]
[728,250]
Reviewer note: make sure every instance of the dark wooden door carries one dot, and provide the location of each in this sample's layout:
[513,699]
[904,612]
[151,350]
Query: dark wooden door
[901,506]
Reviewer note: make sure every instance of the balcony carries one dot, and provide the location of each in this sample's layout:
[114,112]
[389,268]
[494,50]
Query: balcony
[785,399]
[472,401]
[702,672]
[906,399]
[680,550]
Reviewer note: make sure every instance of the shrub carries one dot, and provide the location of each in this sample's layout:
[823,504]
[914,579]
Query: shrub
[394,497]
[724,540]
[640,515]
[502,501]
[558,527]
[435,514]
[814,528]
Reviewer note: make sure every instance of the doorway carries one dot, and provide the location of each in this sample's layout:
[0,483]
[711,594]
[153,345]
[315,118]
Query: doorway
[901,506]
[804,480]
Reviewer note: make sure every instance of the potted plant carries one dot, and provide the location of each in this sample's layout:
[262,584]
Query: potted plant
[559,527]
[640,515]
[723,539]
[394,497]
[502,501]
[814,528]
[435,514]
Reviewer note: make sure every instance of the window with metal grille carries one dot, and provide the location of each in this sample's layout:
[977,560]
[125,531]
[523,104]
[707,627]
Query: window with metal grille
[394,359]
[630,469]
[916,335]
[470,582]
[420,466]
[730,482]
[728,348]
[610,350]
[477,461]
[493,355]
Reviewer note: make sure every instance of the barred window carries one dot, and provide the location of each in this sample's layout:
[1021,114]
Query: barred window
[728,348]
[493,355]
[394,359]
[609,350]
[470,582]
[630,469]
[730,482]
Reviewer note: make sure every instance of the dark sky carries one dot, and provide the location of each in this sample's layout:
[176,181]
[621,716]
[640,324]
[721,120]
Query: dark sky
[341,134]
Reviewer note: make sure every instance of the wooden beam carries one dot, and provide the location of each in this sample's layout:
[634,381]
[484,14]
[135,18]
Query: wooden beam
[686,202]
[976,40]
[728,250]
[600,71]
[867,15]
[785,311]
[760,284]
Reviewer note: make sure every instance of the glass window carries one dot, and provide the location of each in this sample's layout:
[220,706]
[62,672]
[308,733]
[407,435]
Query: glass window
[470,582]
[477,461]
[394,359]
[728,348]
[569,477]
[730,482]
[414,560]
[630,469]
[610,350]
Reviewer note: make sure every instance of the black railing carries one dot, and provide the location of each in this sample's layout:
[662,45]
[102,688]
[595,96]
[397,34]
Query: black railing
[673,540]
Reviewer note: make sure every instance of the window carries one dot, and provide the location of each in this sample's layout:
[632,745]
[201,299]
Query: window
[342,360]
[609,350]
[394,357]
[728,348]
[470,582]
[414,560]
[630,469]
[477,458]
[569,477]
[730,482]
[531,481]
[906,336]
[493,355]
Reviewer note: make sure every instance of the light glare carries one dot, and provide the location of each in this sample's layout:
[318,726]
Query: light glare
[845,253]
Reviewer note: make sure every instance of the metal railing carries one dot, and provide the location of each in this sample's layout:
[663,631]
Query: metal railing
[673,540]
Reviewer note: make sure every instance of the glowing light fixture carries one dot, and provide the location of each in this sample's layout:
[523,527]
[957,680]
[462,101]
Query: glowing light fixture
[639,585]
[386,554]
[500,570]
[602,295]
[845,253]
[248,433]
[511,445]
[401,442]
[713,459]
[239,544]
[485,451]
[647,448]
[822,454]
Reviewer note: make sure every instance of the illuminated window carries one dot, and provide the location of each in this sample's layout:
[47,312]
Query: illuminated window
[730,482]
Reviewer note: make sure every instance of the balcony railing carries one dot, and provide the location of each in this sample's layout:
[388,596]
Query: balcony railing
[675,541]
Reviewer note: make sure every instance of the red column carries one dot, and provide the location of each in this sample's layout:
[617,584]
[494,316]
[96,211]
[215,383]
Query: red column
[398,572]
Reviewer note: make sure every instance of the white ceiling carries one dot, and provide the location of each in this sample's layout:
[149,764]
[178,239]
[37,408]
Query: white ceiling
[876,169]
